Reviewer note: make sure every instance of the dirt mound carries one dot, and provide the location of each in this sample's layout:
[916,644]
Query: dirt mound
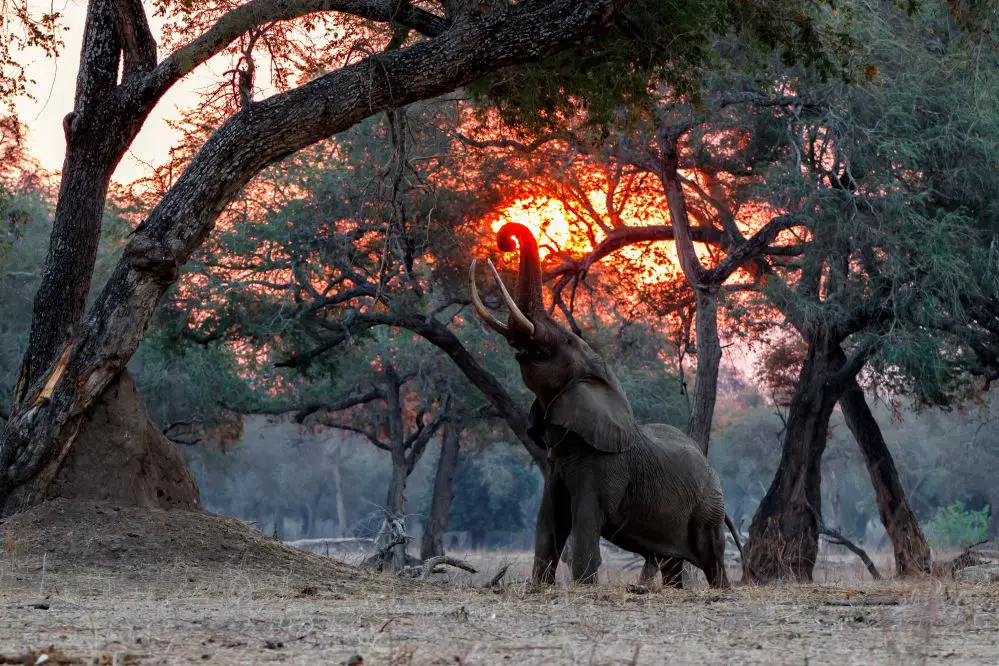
[120,456]
[170,547]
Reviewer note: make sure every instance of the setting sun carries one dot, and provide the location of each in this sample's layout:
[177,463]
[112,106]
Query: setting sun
[547,219]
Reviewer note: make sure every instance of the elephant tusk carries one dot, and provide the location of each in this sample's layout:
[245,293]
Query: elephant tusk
[480,307]
[518,317]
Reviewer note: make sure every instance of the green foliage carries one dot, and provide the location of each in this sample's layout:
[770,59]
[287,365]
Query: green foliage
[190,382]
[896,180]
[663,44]
[956,526]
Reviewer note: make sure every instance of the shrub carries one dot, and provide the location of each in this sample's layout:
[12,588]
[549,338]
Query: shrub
[955,525]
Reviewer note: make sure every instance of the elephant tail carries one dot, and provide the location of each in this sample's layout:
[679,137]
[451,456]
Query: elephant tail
[747,572]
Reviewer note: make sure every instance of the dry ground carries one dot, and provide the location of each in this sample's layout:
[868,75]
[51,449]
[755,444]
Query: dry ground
[111,586]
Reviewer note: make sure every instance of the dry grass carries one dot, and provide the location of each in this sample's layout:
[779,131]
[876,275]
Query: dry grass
[195,588]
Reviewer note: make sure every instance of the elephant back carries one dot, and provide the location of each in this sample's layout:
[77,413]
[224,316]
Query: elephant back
[689,468]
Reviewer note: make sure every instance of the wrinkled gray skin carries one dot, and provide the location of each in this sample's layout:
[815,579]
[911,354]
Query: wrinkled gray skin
[647,489]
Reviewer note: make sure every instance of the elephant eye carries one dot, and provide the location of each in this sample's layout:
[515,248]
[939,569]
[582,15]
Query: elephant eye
[534,353]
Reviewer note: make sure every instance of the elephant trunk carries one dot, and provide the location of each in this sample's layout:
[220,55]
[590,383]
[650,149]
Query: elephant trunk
[528,296]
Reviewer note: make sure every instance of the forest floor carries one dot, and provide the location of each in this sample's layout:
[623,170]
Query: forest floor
[91,584]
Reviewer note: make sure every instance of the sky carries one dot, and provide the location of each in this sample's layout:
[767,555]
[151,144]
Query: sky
[55,84]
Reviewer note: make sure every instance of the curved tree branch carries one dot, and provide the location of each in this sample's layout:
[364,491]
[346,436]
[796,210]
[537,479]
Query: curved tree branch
[259,12]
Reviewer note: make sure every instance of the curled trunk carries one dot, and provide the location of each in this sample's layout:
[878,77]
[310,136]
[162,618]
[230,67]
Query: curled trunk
[528,296]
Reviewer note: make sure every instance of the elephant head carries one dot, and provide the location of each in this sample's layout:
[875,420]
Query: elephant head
[574,385]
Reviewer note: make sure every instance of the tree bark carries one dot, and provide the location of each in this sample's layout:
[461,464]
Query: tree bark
[783,536]
[912,552]
[709,354]
[50,409]
[440,505]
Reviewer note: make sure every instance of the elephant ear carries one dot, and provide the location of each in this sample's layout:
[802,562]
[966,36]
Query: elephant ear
[597,413]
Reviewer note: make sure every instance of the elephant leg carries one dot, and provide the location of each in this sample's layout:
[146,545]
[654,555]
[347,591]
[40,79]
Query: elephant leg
[672,571]
[711,552]
[554,523]
[587,522]
[649,570]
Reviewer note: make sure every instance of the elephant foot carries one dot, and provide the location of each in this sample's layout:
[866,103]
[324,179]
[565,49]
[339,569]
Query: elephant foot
[543,574]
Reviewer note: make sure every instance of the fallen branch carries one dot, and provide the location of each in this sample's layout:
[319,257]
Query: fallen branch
[384,554]
[499,576]
[837,538]
[318,543]
[430,566]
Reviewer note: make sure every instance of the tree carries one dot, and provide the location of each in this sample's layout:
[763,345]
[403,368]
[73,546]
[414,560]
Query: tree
[897,251]
[387,431]
[71,360]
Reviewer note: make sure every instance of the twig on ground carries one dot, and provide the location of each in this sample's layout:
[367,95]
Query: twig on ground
[499,576]
[430,566]
[871,601]
[837,538]
[435,565]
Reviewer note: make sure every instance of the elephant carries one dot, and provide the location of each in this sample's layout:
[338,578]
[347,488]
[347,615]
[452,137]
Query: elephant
[647,489]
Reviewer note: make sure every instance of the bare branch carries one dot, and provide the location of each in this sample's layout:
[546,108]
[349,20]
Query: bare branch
[625,236]
[751,248]
[259,12]
[371,437]
[837,538]
[359,398]
[418,443]
[510,143]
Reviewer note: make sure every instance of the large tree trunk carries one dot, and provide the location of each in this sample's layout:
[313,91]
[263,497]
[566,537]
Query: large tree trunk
[395,508]
[440,505]
[97,134]
[993,529]
[709,354]
[783,536]
[912,553]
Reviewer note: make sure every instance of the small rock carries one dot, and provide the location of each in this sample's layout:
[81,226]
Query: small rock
[43,605]
[273,645]
[982,573]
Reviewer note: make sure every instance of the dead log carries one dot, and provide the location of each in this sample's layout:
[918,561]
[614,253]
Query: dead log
[435,565]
